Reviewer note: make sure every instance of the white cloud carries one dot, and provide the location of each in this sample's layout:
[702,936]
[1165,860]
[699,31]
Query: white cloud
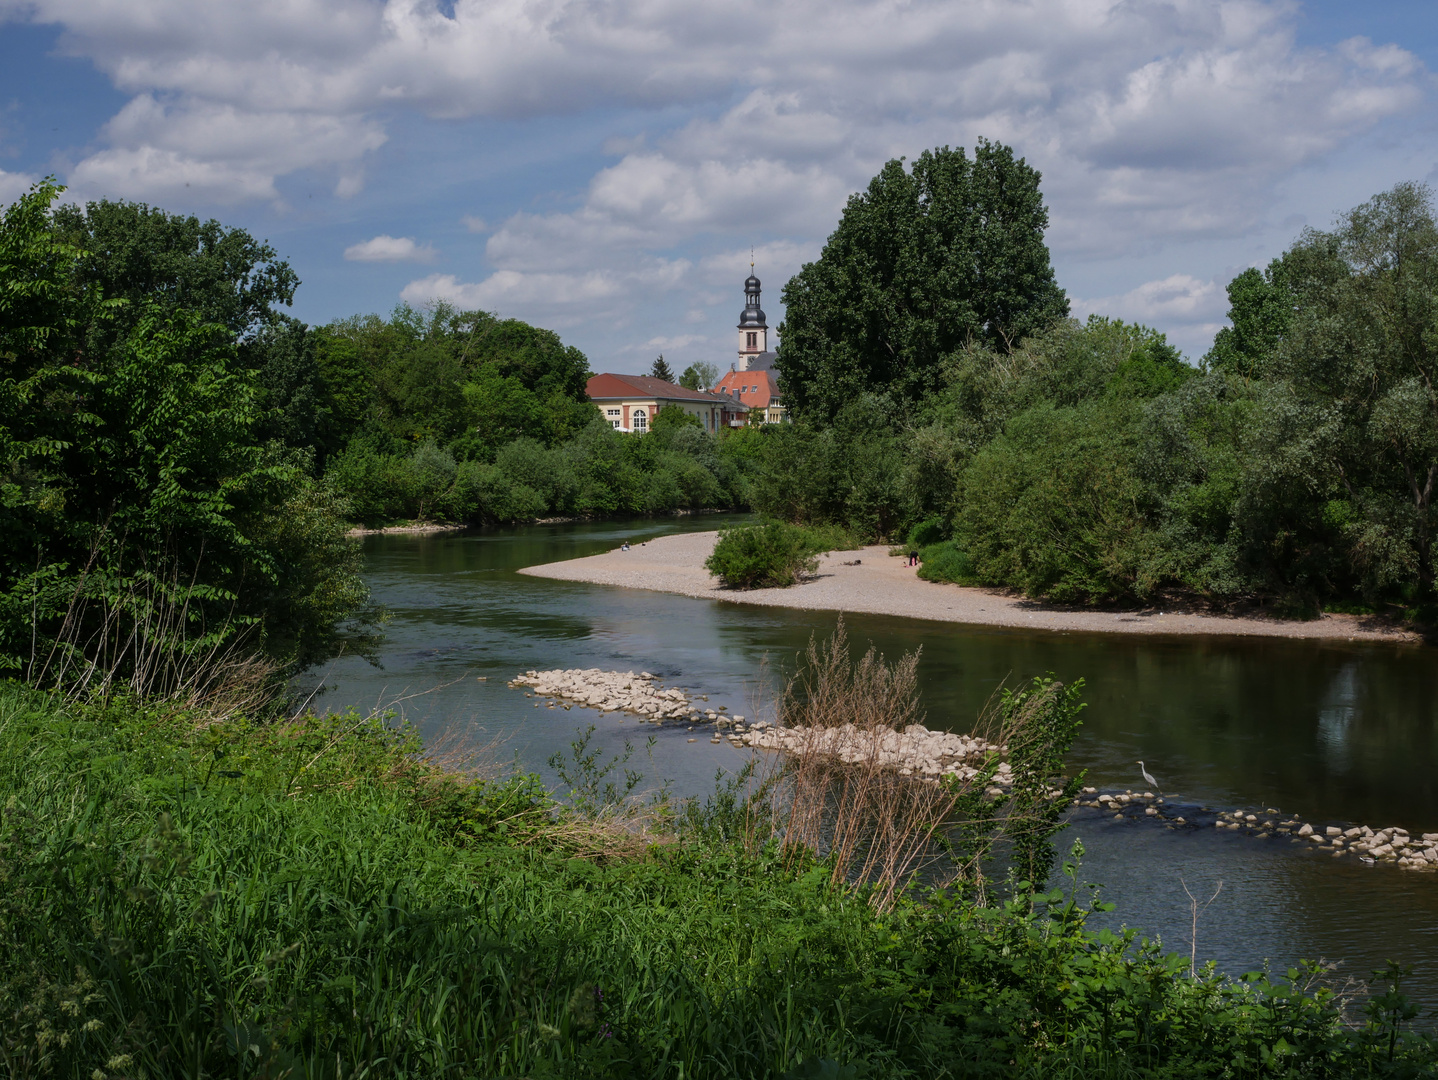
[1190,310]
[13,185]
[474,224]
[386,248]
[1177,298]
[1155,122]
[220,152]
[556,299]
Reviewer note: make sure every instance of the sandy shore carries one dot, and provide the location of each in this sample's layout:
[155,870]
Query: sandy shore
[882,585]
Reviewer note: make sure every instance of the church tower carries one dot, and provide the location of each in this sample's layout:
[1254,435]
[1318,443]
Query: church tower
[753,327]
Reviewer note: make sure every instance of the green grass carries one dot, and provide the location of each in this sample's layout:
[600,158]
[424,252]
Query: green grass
[310,900]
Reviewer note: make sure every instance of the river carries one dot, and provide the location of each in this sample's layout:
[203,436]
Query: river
[1325,731]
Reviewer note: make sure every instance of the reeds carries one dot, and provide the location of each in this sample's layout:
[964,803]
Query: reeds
[154,634]
[838,795]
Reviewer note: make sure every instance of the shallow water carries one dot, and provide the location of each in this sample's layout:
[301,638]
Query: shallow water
[1327,731]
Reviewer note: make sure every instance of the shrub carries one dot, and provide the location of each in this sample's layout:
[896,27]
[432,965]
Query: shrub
[946,562]
[772,555]
[927,533]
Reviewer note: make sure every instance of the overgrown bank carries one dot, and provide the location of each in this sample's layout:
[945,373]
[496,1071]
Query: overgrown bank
[311,899]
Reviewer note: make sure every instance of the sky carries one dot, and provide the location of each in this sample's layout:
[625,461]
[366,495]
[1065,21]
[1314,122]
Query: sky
[605,167]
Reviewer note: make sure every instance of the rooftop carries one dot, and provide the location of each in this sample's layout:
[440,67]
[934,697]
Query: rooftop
[607,386]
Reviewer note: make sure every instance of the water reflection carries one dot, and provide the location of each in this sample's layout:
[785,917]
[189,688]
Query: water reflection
[1325,730]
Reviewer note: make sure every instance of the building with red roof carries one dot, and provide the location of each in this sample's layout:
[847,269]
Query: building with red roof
[758,390]
[630,402]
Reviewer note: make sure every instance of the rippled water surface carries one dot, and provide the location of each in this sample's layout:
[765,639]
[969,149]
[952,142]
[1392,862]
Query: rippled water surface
[1326,731]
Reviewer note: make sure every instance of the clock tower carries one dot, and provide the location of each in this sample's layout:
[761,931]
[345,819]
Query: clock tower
[753,327]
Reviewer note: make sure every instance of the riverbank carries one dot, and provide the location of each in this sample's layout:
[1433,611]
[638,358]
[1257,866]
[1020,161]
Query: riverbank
[412,908]
[869,580]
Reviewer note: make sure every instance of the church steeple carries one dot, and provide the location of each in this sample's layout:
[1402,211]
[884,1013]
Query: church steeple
[753,327]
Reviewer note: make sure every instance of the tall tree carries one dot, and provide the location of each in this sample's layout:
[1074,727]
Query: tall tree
[660,369]
[137,253]
[1359,389]
[922,263]
[699,376]
[1260,308]
[135,470]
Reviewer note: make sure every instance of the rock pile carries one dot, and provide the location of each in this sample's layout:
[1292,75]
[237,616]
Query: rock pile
[612,691]
[916,751]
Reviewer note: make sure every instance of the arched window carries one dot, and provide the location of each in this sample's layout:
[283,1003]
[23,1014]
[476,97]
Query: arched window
[641,420]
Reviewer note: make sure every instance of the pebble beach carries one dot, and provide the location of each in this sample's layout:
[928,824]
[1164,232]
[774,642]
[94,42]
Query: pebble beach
[870,580]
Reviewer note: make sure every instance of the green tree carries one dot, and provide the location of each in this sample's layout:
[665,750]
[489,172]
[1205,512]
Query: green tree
[921,264]
[1260,308]
[137,486]
[136,252]
[699,376]
[660,369]
[1359,367]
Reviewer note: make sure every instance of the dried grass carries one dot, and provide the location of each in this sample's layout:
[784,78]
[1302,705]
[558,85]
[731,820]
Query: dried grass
[878,829]
[147,635]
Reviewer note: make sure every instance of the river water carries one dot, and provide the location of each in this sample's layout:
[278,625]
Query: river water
[1329,732]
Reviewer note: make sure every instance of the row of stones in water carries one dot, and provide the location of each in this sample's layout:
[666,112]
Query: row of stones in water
[916,751]
[1392,845]
[617,691]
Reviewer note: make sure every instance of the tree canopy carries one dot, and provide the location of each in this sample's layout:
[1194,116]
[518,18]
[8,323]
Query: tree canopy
[139,487]
[924,262]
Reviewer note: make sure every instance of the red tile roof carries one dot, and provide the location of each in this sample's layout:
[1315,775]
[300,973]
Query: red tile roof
[607,386]
[754,388]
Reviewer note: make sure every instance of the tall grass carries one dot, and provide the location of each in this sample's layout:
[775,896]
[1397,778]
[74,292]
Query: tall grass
[837,794]
[188,893]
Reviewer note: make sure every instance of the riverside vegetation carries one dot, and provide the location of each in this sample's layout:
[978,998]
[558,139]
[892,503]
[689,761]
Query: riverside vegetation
[197,879]
[942,397]
[197,893]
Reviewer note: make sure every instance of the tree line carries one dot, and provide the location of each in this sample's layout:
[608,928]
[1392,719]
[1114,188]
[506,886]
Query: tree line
[175,443]
[943,396]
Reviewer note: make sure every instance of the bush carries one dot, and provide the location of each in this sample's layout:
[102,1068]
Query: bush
[773,555]
[946,562]
[762,556]
[927,533]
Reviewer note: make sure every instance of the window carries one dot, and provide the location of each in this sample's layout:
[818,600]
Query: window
[614,412]
[754,389]
[641,421]
[753,339]
[614,422]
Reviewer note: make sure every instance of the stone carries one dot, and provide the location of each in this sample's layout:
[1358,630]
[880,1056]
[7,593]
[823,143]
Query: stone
[1333,831]
[1307,830]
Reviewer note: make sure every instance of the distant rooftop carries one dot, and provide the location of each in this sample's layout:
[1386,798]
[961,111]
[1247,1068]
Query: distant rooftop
[605,386]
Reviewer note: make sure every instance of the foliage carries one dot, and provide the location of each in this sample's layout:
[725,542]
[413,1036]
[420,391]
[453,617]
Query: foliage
[312,898]
[133,438]
[771,555]
[660,369]
[946,561]
[699,375]
[923,263]
[676,465]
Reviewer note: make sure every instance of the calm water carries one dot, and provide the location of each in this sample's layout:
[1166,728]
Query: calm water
[1329,732]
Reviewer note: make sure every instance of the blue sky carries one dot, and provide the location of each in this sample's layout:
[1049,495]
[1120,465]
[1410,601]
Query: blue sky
[603,167]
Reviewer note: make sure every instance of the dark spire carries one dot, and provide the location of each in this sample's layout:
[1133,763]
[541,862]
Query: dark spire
[753,314]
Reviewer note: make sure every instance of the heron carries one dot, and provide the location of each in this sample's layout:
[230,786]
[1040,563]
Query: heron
[1147,779]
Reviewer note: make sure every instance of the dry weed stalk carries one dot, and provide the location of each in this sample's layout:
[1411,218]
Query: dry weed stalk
[146,635]
[838,795]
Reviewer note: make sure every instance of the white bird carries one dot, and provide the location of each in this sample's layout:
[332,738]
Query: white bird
[1147,779]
